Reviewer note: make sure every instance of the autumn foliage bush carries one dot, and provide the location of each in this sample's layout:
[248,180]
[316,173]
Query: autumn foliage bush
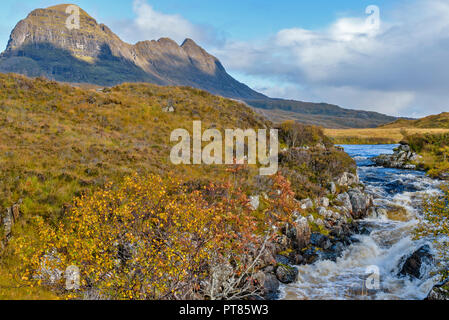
[295,135]
[149,238]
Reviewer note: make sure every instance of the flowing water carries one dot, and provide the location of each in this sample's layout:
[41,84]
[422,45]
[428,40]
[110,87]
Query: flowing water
[381,252]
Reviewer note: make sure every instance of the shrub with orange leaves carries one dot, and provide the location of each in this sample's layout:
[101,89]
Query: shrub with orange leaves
[149,238]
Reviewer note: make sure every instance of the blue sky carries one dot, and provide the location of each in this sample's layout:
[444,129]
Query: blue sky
[321,50]
[239,19]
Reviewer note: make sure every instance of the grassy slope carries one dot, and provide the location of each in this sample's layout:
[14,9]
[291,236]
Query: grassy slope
[434,121]
[380,135]
[60,141]
[434,149]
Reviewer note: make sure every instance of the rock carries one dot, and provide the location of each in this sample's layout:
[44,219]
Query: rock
[322,211]
[306,204]
[168,109]
[372,213]
[404,148]
[358,202]
[311,255]
[400,159]
[413,264]
[345,199]
[439,292]
[47,272]
[324,202]
[280,259]
[7,221]
[332,216]
[343,212]
[310,218]
[269,284]
[318,240]
[302,232]
[299,259]
[286,274]
[369,200]
[319,222]
[347,179]
[254,202]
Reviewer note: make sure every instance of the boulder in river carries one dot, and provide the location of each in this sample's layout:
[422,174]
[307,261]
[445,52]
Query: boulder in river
[402,158]
[413,264]
[269,284]
[286,273]
[359,202]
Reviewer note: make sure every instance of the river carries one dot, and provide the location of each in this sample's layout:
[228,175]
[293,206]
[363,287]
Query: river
[377,256]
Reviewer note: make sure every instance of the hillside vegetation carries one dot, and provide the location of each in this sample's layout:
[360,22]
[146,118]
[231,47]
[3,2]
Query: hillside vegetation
[65,150]
[434,148]
[380,135]
[431,122]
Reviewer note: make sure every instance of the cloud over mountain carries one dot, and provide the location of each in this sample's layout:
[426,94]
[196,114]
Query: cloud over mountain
[399,68]
[152,24]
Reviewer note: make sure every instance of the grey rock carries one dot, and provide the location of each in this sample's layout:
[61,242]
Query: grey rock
[269,284]
[286,274]
[400,159]
[306,204]
[345,199]
[254,202]
[347,179]
[412,265]
[358,202]
[324,202]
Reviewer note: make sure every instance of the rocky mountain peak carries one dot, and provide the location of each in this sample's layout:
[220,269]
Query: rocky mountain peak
[43,45]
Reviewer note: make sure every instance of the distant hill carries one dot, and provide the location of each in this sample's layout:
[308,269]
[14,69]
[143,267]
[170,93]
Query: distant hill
[435,121]
[320,114]
[42,45]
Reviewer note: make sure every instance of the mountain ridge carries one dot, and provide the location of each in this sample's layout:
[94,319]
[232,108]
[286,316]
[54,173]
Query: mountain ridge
[162,62]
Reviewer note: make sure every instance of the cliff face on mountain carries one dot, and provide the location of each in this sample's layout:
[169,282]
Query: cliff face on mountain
[42,45]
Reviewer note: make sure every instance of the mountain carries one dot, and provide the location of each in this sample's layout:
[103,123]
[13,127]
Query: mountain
[42,45]
[434,121]
[319,114]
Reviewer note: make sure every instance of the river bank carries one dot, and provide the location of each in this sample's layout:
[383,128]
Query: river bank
[385,245]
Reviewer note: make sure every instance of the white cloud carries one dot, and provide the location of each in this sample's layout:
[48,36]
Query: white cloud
[398,68]
[154,25]
[150,24]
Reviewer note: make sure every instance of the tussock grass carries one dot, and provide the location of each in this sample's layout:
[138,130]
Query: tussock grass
[377,135]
